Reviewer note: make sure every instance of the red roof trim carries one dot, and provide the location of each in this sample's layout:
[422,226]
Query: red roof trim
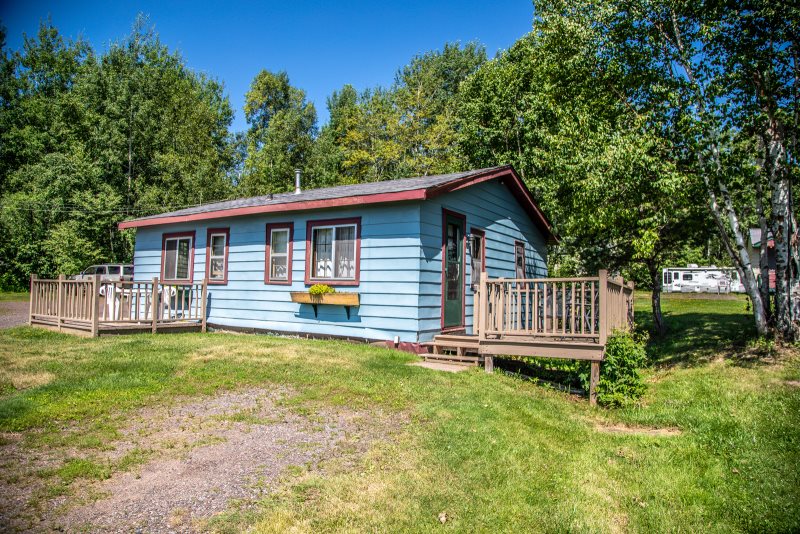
[512,180]
[518,189]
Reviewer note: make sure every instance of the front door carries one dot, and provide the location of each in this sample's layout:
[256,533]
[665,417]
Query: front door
[453,265]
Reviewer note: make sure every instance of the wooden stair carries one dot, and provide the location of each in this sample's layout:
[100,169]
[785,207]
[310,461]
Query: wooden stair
[455,349]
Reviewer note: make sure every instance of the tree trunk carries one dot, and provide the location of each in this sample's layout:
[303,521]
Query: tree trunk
[763,282]
[658,317]
[763,253]
[737,250]
[779,182]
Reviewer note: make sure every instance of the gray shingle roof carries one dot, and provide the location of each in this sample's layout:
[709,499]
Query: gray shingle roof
[328,193]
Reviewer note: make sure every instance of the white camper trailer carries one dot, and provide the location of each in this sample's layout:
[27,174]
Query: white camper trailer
[701,279]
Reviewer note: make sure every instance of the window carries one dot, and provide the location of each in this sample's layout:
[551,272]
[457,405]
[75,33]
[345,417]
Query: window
[332,251]
[217,255]
[519,259]
[127,270]
[687,276]
[178,257]
[113,269]
[278,268]
[667,277]
[477,254]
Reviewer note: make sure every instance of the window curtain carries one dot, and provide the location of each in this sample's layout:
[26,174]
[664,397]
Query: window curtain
[323,250]
[345,252]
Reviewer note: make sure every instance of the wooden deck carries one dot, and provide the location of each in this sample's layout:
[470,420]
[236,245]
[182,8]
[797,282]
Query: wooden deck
[94,308]
[566,318]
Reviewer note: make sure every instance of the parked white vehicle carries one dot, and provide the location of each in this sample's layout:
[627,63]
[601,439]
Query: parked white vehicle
[701,279]
[109,272]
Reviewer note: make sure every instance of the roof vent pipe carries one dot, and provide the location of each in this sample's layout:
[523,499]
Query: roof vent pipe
[297,181]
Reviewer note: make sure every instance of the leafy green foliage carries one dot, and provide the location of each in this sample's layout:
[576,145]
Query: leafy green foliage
[321,289]
[281,134]
[88,140]
[621,381]
[599,166]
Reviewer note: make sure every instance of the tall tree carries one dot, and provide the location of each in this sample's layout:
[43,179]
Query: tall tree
[280,138]
[549,107]
[424,93]
[718,77]
[87,140]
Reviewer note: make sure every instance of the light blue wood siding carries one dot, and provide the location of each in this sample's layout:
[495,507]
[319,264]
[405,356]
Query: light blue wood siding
[401,265]
[389,288]
[490,207]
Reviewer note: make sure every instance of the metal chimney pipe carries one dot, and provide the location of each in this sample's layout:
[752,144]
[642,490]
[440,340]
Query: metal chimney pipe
[297,181]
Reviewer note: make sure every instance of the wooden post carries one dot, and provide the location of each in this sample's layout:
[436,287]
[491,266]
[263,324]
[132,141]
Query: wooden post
[488,359]
[155,309]
[630,310]
[59,303]
[31,306]
[593,380]
[602,307]
[483,308]
[96,306]
[203,305]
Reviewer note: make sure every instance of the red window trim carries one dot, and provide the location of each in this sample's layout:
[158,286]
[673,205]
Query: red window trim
[309,280]
[481,233]
[217,231]
[524,265]
[445,213]
[172,235]
[289,249]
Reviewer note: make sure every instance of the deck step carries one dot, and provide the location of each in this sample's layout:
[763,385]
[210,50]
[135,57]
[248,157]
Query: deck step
[456,337]
[455,345]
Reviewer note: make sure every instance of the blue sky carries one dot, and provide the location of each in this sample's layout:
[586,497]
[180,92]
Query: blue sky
[322,45]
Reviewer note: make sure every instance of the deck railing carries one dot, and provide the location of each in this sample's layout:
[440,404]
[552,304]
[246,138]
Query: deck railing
[93,304]
[561,308]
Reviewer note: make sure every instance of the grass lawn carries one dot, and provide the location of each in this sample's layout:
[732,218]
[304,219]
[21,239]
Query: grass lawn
[10,296]
[492,452]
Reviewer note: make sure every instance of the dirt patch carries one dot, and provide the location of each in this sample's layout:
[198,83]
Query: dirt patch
[793,383]
[13,313]
[637,430]
[30,380]
[197,458]
[441,366]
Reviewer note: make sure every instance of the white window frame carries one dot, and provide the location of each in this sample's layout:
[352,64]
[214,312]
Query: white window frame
[212,257]
[334,227]
[177,251]
[273,254]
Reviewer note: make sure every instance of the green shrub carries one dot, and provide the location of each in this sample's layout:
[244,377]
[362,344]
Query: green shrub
[321,289]
[620,381]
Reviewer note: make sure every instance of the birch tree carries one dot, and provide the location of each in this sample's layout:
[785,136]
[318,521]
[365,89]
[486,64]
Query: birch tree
[718,76]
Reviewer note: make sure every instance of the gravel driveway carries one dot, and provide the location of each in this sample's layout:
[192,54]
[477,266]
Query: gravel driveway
[13,313]
[202,456]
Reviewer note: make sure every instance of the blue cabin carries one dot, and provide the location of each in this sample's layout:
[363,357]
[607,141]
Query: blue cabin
[411,250]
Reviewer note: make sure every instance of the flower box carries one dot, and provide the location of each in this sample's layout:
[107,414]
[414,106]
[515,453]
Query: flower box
[340,299]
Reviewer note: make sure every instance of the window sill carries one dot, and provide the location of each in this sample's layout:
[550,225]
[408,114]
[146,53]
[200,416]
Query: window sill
[186,282]
[332,283]
[278,282]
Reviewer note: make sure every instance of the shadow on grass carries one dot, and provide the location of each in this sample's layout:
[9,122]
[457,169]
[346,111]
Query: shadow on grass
[700,331]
